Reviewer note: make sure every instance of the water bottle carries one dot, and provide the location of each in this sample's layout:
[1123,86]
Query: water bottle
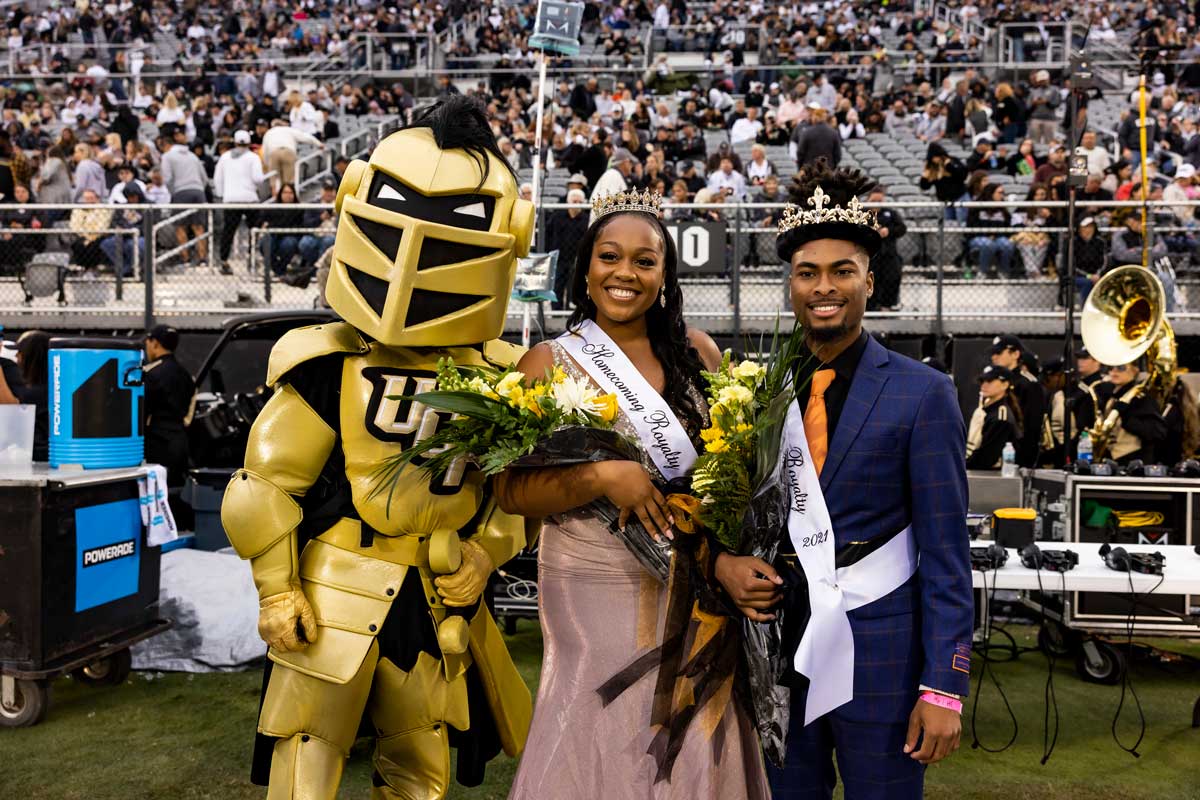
[1084,452]
[1008,461]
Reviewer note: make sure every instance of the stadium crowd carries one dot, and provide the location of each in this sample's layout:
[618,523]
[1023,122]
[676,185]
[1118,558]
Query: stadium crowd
[196,102]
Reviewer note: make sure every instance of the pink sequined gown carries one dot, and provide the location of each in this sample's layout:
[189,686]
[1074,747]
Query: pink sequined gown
[599,611]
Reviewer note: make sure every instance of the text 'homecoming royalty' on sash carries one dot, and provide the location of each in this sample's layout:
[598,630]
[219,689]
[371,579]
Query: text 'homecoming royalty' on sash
[658,428]
[826,651]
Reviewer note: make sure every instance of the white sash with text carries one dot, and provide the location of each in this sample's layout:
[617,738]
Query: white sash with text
[826,651]
[660,431]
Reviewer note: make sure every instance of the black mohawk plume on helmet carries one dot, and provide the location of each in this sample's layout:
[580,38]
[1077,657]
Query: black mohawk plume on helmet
[461,123]
[839,186]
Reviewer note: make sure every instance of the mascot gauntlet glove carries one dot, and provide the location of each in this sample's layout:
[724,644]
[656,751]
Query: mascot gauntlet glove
[286,621]
[463,587]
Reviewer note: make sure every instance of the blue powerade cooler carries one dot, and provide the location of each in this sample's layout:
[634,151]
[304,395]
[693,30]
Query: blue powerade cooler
[96,398]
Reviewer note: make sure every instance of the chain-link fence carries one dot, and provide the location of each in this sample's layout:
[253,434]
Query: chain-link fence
[194,265]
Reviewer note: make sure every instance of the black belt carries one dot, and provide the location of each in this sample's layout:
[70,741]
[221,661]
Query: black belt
[854,551]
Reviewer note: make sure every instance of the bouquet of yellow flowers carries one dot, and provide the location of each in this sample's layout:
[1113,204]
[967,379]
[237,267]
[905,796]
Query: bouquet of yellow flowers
[743,501]
[747,406]
[736,393]
[499,416]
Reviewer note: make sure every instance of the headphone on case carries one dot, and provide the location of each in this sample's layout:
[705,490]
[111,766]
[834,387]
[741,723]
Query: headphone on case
[1033,557]
[991,557]
[1121,560]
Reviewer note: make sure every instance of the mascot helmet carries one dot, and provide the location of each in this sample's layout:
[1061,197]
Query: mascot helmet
[429,231]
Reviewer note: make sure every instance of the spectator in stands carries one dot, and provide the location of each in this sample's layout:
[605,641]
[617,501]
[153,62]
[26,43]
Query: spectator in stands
[851,128]
[747,128]
[956,111]
[978,118]
[990,249]
[303,116]
[583,99]
[791,110]
[772,133]
[118,248]
[1099,159]
[728,182]
[170,114]
[1044,100]
[279,148]
[1010,114]
[53,181]
[564,231]
[156,191]
[1129,135]
[886,264]
[759,168]
[125,178]
[88,225]
[947,176]
[186,180]
[1033,244]
[817,140]
[239,173]
[616,178]
[16,250]
[1093,191]
[1127,242]
[1181,190]
[691,143]
[898,122]
[1056,164]
[984,156]
[680,196]
[89,175]
[931,123]
[1091,261]
[822,93]
[1024,161]
[323,224]
[279,248]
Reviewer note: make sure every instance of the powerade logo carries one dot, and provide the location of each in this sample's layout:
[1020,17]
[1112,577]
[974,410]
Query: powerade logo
[108,552]
[56,369]
[102,555]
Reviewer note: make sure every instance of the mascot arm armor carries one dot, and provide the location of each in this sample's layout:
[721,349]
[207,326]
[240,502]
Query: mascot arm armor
[500,535]
[287,449]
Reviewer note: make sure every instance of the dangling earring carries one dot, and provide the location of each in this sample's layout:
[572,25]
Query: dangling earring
[662,297]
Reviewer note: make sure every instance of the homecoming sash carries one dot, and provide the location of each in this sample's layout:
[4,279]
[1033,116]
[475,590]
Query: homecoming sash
[826,652]
[660,431]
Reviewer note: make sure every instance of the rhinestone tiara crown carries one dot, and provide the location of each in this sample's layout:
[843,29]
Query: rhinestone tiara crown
[646,201]
[822,211]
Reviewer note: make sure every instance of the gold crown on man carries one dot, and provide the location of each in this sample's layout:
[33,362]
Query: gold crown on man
[822,212]
[614,203]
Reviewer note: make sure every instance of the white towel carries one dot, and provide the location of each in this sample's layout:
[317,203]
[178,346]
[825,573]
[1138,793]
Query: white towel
[156,513]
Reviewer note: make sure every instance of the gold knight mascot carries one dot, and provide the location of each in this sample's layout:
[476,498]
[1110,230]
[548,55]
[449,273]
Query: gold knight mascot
[370,600]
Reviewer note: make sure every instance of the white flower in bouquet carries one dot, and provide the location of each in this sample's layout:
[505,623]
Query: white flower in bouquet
[575,397]
[735,396]
[479,386]
[749,370]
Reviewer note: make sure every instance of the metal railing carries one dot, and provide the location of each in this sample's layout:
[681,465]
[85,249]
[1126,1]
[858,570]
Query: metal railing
[951,278]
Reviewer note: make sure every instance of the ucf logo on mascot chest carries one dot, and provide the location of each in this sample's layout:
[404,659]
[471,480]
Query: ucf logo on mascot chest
[369,600]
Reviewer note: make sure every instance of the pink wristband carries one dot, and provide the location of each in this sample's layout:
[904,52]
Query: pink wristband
[943,701]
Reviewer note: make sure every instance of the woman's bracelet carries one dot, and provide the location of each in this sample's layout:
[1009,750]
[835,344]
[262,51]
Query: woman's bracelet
[943,701]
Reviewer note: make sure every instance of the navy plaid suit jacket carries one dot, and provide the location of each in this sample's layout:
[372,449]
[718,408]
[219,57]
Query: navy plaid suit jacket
[897,458]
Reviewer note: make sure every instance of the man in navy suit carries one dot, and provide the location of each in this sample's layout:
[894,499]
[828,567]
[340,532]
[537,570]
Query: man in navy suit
[894,462]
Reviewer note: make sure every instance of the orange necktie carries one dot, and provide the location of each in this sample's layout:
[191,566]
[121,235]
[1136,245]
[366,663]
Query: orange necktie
[816,423]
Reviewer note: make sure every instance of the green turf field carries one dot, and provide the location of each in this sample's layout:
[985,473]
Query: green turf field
[181,737]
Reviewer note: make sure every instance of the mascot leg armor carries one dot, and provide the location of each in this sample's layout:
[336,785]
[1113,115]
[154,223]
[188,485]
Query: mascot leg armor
[369,600]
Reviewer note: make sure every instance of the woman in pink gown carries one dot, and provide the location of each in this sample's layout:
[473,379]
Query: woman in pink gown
[600,610]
